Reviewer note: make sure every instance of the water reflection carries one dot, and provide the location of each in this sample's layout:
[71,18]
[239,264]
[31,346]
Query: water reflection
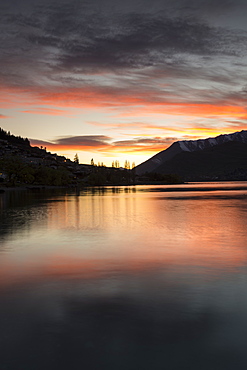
[201,228]
[154,319]
[123,278]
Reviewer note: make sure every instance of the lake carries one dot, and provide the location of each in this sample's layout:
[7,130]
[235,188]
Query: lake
[127,278]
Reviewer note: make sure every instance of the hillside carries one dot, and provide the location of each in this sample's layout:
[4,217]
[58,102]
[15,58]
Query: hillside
[24,165]
[220,158]
[20,163]
[226,161]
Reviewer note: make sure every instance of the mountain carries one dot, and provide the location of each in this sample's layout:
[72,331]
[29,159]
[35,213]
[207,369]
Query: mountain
[223,157]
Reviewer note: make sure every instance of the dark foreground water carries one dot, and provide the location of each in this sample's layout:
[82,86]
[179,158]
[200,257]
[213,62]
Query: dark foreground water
[136,278]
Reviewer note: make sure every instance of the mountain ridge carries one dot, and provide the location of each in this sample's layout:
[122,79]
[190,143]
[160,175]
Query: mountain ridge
[156,162]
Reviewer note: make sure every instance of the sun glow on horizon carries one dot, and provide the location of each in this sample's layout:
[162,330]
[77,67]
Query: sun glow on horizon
[135,150]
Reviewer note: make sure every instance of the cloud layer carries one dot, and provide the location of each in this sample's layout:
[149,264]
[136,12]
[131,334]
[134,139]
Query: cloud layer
[69,42]
[133,60]
[106,144]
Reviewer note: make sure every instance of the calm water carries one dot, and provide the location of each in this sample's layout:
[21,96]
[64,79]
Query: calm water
[135,278]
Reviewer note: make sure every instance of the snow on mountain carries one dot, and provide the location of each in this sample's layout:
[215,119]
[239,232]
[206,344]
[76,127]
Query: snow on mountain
[193,145]
[188,146]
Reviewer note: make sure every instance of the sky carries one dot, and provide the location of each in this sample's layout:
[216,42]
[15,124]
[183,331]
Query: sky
[122,80]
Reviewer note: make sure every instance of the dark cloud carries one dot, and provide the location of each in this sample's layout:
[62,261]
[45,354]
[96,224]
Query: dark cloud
[89,140]
[77,38]
[35,142]
[137,42]
[143,142]
[103,143]
[114,50]
[75,141]
[130,41]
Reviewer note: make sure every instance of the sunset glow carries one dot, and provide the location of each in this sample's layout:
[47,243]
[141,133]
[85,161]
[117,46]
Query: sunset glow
[121,82]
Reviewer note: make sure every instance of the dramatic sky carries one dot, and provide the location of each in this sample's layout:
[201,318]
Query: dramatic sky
[114,79]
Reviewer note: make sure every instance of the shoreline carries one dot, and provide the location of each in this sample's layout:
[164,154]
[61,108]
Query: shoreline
[4,189]
[183,187]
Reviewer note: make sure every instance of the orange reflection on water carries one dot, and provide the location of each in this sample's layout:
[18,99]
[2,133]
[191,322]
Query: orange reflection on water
[128,231]
[66,267]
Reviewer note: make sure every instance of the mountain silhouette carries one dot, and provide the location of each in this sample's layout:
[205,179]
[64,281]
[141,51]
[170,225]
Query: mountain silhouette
[221,158]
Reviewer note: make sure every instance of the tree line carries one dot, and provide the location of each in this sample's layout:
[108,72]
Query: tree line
[115,164]
[6,135]
[18,172]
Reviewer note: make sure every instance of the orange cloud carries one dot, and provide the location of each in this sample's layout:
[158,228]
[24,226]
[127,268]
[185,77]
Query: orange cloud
[129,103]
[86,142]
[105,144]
[134,125]
[188,109]
[209,110]
[48,111]
[143,102]
[146,144]
[3,116]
